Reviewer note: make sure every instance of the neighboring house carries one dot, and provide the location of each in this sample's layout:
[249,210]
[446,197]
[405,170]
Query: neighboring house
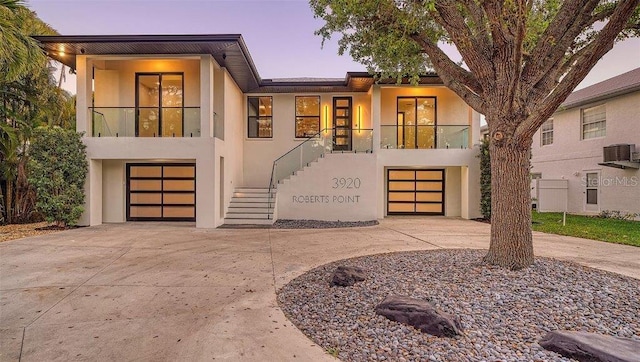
[182,127]
[592,142]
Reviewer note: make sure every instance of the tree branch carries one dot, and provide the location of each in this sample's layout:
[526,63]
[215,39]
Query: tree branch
[598,47]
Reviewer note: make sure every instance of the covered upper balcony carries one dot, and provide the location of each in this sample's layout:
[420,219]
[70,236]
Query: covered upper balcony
[153,86]
[145,98]
[425,117]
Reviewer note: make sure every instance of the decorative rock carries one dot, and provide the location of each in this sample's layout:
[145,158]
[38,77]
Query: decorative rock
[420,314]
[346,276]
[592,347]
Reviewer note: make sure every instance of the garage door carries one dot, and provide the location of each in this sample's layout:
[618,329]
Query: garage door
[161,192]
[411,192]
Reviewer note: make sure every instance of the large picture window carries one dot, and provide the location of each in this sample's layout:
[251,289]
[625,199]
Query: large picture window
[260,123]
[546,133]
[159,104]
[307,116]
[594,122]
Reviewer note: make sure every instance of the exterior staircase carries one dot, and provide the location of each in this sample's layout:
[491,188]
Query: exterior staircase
[251,206]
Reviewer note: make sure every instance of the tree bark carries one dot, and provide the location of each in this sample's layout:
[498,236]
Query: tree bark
[511,243]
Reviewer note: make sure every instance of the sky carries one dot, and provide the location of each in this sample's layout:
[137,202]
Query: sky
[279,33]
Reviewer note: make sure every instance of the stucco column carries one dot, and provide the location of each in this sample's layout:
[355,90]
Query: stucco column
[206,96]
[84,75]
[206,189]
[376,115]
[92,214]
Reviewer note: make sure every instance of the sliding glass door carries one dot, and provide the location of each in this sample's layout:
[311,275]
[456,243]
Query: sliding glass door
[416,122]
[159,104]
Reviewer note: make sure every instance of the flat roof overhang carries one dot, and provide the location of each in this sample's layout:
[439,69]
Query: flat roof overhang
[353,82]
[229,50]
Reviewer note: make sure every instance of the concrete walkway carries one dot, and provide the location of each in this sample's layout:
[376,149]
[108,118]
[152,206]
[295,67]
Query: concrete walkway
[157,291]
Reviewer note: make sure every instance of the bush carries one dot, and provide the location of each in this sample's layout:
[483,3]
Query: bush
[485,179]
[617,215]
[58,169]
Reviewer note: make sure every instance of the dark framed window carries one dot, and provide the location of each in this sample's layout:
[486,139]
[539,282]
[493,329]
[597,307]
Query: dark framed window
[260,117]
[416,122]
[159,104]
[546,133]
[307,116]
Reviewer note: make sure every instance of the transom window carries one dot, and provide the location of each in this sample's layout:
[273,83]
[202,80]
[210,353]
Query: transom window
[594,122]
[260,112]
[546,132]
[307,116]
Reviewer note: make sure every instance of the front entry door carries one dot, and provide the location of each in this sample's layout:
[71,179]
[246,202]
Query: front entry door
[591,201]
[342,124]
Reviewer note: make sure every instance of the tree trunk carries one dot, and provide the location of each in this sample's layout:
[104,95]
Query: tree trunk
[511,239]
[9,202]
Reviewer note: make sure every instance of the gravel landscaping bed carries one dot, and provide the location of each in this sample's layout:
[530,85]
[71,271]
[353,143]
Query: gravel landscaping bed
[317,224]
[504,313]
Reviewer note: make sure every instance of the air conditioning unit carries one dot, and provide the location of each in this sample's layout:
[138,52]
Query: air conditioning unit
[620,156]
[620,152]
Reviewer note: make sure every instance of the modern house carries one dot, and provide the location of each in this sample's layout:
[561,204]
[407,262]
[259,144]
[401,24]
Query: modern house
[182,127]
[592,142]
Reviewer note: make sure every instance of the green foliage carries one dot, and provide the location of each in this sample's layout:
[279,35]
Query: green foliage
[617,215]
[485,179]
[610,230]
[19,53]
[58,169]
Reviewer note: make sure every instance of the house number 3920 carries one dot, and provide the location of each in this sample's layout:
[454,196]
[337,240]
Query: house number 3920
[345,183]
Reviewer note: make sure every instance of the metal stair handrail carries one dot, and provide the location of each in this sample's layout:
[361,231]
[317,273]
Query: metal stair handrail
[273,167]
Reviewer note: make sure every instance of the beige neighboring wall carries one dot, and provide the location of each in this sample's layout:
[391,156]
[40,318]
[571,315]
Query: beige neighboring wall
[571,158]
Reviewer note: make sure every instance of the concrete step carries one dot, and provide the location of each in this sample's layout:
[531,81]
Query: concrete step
[232,221]
[237,209]
[265,205]
[253,194]
[248,215]
[252,189]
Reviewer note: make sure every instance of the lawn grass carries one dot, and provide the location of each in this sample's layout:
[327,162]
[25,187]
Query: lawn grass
[610,230]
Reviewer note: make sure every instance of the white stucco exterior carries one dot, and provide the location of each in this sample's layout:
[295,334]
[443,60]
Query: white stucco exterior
[571,158]
[226,158]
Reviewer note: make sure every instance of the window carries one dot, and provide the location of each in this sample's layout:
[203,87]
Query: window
[260,112]
[416,122]
[592,188]
[159,104]
[594,122]
[546,132]
[307,116]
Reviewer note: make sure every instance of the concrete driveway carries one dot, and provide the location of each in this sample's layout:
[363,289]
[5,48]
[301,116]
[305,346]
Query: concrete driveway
[160,291]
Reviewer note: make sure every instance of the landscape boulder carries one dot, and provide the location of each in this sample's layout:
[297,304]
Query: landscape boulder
[592,347]
[346,276]
[421,315]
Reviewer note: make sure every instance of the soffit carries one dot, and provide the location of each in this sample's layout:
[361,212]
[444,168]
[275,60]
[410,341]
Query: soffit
[229,51]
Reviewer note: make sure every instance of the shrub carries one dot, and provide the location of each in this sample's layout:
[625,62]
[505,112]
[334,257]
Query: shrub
[58,169]
[617,215]
[485,179]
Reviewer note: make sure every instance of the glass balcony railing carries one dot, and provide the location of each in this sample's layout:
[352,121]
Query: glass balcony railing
[327,141]
[151,122]
[424,137]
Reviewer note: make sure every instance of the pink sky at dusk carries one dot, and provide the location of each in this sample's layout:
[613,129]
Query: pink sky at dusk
[278,33]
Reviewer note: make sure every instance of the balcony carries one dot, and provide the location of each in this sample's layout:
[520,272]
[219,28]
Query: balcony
[424,137]
[150,122]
